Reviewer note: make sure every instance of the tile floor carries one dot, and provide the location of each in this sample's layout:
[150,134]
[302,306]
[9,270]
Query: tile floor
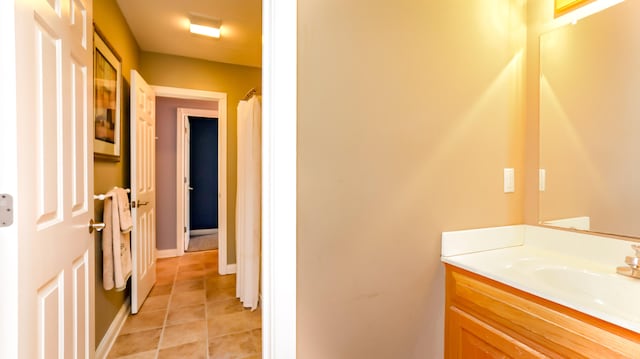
[191,313]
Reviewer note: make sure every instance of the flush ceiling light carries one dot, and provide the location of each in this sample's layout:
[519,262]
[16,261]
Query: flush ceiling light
[204,26]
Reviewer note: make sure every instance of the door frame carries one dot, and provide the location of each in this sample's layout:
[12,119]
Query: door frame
[221,99]
[180,167]
[279,156]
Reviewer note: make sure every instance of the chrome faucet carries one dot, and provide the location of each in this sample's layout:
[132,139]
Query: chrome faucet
[633,264]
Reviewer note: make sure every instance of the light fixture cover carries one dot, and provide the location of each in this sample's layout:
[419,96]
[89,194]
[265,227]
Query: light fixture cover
[204,26]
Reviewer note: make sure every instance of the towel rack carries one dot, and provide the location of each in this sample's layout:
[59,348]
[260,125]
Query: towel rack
[103,196]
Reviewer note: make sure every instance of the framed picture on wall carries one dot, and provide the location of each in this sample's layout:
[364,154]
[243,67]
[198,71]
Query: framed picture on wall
[107,87]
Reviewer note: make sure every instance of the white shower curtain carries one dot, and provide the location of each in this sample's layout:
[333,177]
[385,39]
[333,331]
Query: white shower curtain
[248,203]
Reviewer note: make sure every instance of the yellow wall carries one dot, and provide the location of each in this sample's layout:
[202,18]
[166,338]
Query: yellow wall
[408,113]
[108,18]
[176,71]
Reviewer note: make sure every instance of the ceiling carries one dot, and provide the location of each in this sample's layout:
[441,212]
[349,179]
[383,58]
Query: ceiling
[163,26]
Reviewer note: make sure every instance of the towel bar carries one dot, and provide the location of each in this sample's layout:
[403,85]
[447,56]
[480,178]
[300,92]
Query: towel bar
[103,196]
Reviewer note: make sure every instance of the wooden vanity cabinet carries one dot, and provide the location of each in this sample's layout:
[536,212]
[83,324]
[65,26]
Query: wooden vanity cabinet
[487,319]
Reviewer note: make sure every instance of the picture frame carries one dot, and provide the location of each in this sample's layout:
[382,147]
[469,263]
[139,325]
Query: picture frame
[107,94]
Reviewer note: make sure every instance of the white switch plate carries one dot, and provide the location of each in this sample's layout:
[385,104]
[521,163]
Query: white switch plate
[509,181]
[542,179]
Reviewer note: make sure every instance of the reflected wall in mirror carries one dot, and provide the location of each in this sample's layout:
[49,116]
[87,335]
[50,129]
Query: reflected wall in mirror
[590,123]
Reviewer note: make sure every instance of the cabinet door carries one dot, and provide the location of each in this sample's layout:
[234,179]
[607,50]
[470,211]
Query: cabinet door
[469,337]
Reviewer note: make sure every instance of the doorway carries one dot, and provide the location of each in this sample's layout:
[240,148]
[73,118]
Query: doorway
[200,143]
[173,226]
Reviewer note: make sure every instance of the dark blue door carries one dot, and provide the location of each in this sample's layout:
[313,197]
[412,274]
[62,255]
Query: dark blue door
[203,205]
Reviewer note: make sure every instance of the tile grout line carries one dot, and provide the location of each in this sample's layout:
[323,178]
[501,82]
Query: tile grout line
[166,315]
[206,317]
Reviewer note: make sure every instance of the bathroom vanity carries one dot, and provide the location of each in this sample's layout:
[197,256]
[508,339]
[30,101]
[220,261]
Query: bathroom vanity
[535,292]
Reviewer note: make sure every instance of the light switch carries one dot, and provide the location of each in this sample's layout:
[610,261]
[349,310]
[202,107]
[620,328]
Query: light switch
[542,179]
[509,180]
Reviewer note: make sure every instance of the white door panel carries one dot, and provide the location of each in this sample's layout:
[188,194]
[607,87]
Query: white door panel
[143,190]
[187,182]
[54,70]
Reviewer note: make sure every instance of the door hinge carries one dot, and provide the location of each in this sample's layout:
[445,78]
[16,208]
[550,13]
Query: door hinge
[185,229]
[6,210]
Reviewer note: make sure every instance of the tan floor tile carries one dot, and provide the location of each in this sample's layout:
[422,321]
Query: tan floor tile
[228,324]
[221,282]
[223,307]
[215,294]
[196,350]
[184,333]
[191,267]
[167,262]
[187,298]
[155,303]
[191,274]
[166,270]
[133,343]
[194,289]
[164,280]
[144,321]
[189,285]
[160,290]
[146,355]
[210,261]
[257,338]
[254,318]
[190,313]
[211,272]
[191,258]
[232,346]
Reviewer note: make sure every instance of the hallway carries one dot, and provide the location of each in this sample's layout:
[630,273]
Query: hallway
[191,312]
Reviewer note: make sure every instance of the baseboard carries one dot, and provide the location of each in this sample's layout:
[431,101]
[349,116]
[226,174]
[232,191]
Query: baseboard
[228,269]
[166,253]
[114,329]
[202,232]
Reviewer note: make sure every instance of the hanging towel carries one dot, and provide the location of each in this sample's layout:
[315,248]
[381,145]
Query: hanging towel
[116,241]
[124,211]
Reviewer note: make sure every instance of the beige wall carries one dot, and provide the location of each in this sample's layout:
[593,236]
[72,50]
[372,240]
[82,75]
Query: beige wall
[408,113]
[166,165]
[236,81]
[109,20]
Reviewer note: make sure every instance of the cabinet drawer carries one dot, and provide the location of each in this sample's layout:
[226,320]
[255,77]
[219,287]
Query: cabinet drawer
[547,328]
[470,337]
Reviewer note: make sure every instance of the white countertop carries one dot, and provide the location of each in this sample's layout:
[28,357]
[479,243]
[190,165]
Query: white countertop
[573,269]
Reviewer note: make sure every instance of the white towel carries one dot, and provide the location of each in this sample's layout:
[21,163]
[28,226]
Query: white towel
[124,210]
[116,242]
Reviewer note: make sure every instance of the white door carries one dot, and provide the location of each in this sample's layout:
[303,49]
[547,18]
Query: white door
[187,181]
[143,189]
[54,203]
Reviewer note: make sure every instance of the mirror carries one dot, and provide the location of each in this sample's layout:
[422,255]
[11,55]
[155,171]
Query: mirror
[590,123]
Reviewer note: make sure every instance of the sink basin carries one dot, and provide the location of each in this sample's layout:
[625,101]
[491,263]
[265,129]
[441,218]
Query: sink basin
[585,287]
[584,284]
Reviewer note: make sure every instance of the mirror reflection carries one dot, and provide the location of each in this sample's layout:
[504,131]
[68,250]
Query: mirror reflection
[590,123]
